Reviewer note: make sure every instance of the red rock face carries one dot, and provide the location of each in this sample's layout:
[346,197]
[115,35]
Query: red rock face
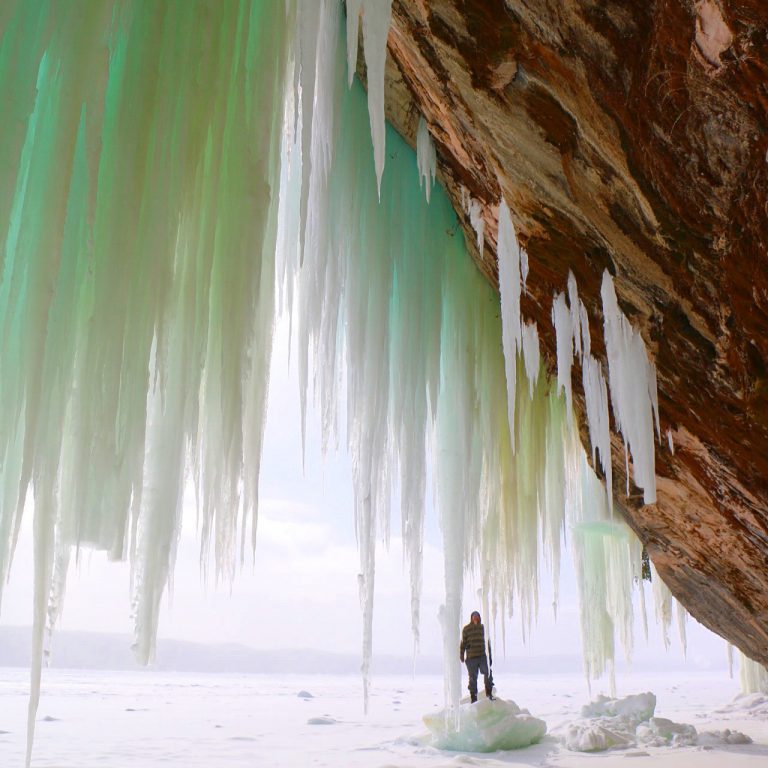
[630,136]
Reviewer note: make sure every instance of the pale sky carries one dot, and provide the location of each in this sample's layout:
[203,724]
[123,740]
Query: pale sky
[304,581]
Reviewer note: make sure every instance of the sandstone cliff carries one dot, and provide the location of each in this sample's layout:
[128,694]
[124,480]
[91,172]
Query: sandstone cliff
[630,136]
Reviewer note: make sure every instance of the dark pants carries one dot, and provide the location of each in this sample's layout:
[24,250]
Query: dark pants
[475,665]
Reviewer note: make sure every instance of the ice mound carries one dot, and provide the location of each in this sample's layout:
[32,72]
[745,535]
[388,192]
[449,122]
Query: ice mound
[595,737]
[486,726]
[638,707]
[716,738]
[749,704]
[660,732]
[629,722]
[325,720]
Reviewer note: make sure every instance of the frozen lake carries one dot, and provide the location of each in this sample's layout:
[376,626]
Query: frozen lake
[149,720]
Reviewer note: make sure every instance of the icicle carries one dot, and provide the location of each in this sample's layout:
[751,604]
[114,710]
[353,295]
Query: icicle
[477,221]
[574,304]
[509,287]
[729,649]
[682,616]
[353,26]
[633,390]
[377,16]
[752,676]
[561,319]
[596,398]
[151,229]
[586,341]
[137,311]
[670,442]
[524,267]
[426,158]
[662,599]
[530,343]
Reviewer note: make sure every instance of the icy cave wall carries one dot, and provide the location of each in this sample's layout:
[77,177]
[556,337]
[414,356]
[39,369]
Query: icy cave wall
[628,136]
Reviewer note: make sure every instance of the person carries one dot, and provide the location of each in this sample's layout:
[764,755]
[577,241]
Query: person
[473,648]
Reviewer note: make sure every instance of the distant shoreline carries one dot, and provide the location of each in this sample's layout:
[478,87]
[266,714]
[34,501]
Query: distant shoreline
[112,652]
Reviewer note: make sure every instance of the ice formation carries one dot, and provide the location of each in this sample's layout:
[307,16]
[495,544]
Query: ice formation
[377,15]
[608,560]
[752,676]
[633,391]
[137,304]
[609,723]
[487,726]
[426,158]
[509,288]
[474,209]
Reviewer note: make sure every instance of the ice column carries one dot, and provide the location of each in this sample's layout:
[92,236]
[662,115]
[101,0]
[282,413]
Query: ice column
[377,16]
[561,319]
[509,287]
[137,284]
[752,676]
[426,158]
[634,398]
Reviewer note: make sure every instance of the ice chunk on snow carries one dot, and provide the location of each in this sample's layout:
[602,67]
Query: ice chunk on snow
[629,722]
[660,732]
[637,707]
[486,726]
[608,722]
[595,737]
[716,738]
[321,721]
[751,704]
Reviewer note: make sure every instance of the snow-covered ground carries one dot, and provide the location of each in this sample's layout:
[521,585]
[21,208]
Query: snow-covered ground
[148,720]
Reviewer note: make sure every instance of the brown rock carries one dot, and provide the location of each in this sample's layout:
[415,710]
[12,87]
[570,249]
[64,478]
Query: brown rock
[630,136]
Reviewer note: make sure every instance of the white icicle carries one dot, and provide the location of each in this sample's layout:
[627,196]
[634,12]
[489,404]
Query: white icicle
[561,319]
[509,287]
[426,158]
[524,267]
[531,354]
[353,27]
[573,303]
[586,339]
[662,601]
[377,16]
[633,390]
[596,398]
[753,676]
[477,221]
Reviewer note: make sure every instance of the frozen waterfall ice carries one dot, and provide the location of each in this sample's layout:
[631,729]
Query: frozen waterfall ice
[205,154]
